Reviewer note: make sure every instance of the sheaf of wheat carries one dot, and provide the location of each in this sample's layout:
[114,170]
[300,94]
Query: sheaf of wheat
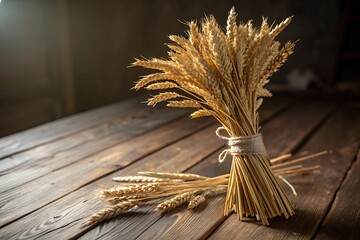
[218,73]
[223,73]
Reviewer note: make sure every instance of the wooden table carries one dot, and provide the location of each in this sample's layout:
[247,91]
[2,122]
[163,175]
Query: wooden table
[50,175]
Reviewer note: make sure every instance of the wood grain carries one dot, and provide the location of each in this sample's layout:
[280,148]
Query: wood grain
[315,192]
[343,219]
[20,201]
[185,153]
[39,161]
[185,224]
[57,129]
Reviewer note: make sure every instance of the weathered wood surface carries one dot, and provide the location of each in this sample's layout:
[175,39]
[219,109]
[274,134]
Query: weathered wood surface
[17,202]
[49,187]
[20,201]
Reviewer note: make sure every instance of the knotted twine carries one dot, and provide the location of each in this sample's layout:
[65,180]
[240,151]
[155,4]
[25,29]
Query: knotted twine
[245,145]
[242,145]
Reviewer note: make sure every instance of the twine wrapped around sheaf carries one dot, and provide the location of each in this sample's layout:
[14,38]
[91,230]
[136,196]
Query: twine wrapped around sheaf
[242,145]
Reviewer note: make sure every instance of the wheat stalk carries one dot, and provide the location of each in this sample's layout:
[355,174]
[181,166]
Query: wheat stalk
[120,191]
[138,179]
[196,201]
[116,200]
[162,85]
[201,113]
[161,97]
[176,201]
[184,104]
[201,198]
[182,176]
[111,212]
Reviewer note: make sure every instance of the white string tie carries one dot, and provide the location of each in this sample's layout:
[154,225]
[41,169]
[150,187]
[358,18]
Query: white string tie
[246,145]
[243,145]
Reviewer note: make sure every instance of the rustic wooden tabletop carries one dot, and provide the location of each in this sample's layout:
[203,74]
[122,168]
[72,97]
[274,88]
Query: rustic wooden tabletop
[50,175]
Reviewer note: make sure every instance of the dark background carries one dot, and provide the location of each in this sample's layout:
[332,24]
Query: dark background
[61,57]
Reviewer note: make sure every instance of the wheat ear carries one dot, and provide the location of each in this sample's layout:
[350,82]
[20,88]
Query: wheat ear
[138,179]
[111,212]
[176,201]
[121,191]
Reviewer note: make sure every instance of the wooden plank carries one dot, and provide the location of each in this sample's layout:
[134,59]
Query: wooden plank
[57,129]
[39,161]
[315,192]
[184,153]
[343,219]
[277,142]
